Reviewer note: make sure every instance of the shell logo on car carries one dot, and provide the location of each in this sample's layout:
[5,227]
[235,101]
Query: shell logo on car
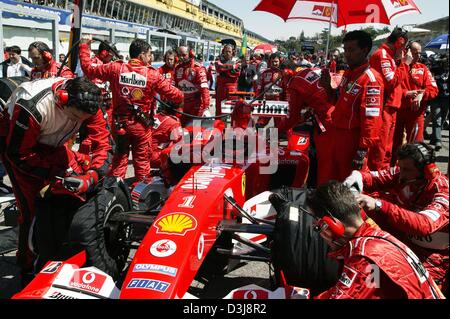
[175,224]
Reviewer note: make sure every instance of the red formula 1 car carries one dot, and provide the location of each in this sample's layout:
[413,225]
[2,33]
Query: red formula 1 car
[194,217]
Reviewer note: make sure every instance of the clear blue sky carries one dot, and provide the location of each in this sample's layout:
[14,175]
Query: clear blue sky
[273,27]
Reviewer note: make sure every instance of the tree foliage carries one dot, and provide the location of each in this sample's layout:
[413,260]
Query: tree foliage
[294,44]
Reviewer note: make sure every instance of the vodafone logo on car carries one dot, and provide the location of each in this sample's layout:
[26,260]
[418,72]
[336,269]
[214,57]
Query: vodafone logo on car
[87,280]
[163,248]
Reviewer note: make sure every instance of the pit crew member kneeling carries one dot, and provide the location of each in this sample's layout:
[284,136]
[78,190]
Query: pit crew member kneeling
[411,202]
[375,265]
[44,114]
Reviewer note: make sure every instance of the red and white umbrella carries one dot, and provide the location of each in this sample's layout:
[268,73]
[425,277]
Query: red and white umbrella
[265,48]
[341,12]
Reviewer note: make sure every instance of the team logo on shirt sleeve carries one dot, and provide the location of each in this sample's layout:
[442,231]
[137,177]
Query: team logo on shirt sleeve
[348,276]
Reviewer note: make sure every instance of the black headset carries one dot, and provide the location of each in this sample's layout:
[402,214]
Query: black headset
[429,167]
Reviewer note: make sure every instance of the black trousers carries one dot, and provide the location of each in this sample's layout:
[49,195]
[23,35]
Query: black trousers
[65,226]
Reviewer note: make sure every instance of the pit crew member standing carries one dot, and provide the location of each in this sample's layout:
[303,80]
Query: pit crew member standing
[190,78]
[411,202]
[44,64]
[104,55]
[228,69]
[43,115]
[374,264]
[357,116]
[278,91]
[304,92]
[418,88]
[134,84]
[168,68]
[391,61]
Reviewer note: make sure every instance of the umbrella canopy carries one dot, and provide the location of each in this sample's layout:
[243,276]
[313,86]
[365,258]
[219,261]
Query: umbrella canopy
[265,48]
[441,42]
[415,31]
[341,12]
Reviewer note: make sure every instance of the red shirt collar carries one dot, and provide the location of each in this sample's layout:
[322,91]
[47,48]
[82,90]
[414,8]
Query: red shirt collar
[136,62]
[352,74]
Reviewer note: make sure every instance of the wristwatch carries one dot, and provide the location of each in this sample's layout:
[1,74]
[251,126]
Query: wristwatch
[378,205]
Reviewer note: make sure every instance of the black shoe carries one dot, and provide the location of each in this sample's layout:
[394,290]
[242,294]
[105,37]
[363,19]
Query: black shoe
[445,125]
[438,146]
[5,189]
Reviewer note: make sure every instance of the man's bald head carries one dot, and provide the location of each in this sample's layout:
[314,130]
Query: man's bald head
[416,50]
[183,53]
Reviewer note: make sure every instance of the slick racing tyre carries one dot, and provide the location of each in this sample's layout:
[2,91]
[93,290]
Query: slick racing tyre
[117,233]
[298,251]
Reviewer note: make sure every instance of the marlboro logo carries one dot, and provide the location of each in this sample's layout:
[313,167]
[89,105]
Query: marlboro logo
[133,79]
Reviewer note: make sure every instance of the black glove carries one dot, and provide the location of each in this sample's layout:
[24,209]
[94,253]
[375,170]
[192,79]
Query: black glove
[81,184]
[358,160]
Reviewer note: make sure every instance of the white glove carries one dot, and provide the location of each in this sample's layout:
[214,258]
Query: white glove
[354,181]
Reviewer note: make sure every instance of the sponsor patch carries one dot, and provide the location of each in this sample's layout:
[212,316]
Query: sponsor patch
[155,268]
[163,248]
[137,94]
[52,267]
[175,224]
[373,111]
[87,280]
[312,77]
[373,101]
[355,89]
[187,86]
[151,284]
[347,277]
[302,140]
[417,71]
[373,90]
[125,91]
[133,79]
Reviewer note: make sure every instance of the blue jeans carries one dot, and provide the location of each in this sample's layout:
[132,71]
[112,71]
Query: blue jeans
[439,112]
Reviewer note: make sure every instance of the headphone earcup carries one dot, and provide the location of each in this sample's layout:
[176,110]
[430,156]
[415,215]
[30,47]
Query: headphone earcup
[429,171]
[61,97]
[335,226]
[47,56]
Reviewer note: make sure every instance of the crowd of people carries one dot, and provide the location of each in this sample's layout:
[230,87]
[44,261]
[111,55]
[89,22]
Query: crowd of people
[369,112]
